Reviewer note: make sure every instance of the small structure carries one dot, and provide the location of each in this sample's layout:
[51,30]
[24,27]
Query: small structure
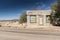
[38,18]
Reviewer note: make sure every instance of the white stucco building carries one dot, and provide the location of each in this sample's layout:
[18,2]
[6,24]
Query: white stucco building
[38,18]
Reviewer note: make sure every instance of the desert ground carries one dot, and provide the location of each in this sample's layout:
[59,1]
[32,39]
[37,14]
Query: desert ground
[14,34]
[15,31]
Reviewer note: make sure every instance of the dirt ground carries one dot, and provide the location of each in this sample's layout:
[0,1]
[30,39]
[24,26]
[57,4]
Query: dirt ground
[48,28]
[40,28]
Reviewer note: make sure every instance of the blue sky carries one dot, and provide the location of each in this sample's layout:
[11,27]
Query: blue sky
[11,9]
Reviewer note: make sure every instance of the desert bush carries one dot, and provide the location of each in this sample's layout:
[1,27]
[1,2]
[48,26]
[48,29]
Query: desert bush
[0,25]
[23,18]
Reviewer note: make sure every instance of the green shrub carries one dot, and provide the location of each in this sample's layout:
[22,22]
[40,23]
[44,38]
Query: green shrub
[23,18]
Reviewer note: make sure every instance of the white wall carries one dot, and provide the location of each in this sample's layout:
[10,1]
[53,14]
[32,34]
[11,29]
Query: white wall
[37,13]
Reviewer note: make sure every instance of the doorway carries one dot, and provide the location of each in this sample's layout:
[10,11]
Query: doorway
[41,20]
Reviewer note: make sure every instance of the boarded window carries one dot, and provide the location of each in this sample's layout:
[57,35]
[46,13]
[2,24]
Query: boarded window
[33,18]
[48,18]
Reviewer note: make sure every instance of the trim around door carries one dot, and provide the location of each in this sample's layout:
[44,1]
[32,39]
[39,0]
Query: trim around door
[41,20]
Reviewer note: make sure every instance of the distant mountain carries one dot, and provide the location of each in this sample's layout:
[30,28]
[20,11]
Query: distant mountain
[10,20]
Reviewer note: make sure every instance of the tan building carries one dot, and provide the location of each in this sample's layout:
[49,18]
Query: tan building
[38,18]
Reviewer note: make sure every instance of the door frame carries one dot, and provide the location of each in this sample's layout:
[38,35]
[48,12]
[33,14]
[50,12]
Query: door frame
[41,16]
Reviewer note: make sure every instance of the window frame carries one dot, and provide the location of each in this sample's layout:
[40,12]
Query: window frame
[31,19]
[47,19]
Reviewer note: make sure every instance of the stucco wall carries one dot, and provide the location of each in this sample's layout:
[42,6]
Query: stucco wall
[38,13]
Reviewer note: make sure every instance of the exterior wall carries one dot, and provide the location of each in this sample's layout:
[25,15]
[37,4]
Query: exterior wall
[38,13]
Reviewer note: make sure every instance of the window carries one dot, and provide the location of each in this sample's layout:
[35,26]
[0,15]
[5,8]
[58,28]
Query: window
[33,18]
[48,18]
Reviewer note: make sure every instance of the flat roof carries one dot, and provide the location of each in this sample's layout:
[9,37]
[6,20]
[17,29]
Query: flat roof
[44,12]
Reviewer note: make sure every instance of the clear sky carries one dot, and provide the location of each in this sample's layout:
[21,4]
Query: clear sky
[11,9]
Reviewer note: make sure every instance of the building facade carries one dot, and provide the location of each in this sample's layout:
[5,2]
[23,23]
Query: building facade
[38,18]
